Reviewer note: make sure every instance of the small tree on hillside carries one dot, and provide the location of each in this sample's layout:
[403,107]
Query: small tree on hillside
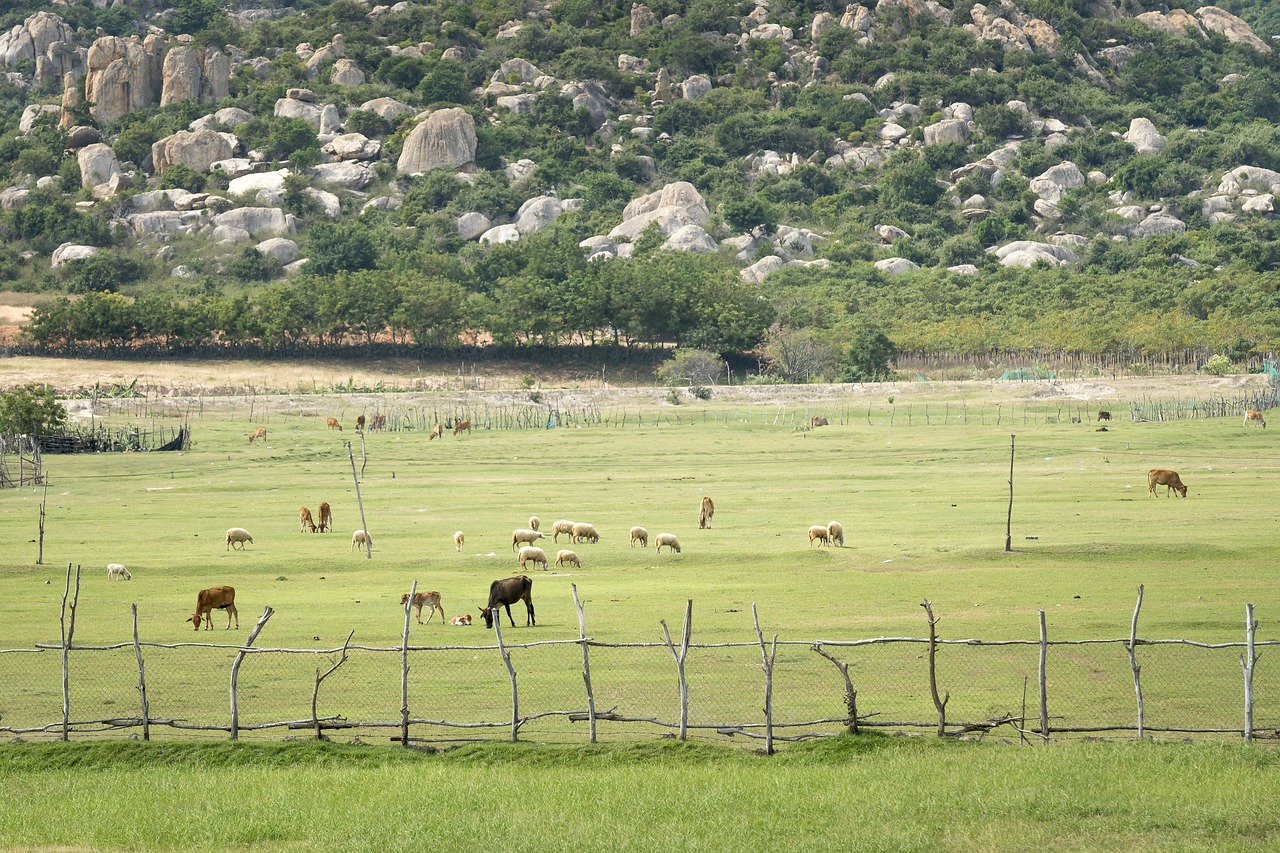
[691,367]
[31,410]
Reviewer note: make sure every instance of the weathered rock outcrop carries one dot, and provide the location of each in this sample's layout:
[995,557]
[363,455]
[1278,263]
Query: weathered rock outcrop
[446,138]
[197,150]
[670,208]
[1144,137]
[98,164]
[123,75]
[1054,182]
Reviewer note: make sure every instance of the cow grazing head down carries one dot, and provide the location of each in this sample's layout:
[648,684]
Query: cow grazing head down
[504,593]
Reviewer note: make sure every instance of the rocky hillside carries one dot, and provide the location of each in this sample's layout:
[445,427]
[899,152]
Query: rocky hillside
[1056,175]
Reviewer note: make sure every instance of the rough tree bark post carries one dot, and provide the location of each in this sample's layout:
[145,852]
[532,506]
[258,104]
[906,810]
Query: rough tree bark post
[850,695]
[404,668]
[235,670]
[142,679]
[68,621]
[769,660]
[1008,524]
[939,703]
[511,673]
[679,659]
[586,662]
[43,501]
[315,693]
[1246,663]
[1133,664]
[1044,699]
[368,543]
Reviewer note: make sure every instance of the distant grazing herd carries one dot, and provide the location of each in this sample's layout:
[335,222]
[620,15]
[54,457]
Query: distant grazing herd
[503,593]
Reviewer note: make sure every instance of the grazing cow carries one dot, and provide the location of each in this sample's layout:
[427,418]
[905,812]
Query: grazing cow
[705,510]
[306,524]
[377,422]
[215,597]
[1169,479]
[1251,415]
[462,426]
[360,423]
[461,619]
[430,599]
[504,593]
[437,431]
[1104,415]
[117,570]
[333,424]
[818,420]
[326,518]
[260,432]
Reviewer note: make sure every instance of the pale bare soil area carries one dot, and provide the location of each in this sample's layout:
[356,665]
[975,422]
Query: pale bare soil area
[74,377]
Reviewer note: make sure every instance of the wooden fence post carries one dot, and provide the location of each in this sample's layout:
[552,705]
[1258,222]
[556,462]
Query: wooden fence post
[235,670]
[320,677]
[1044,699]
[679,659]
[586,663]
[68,623]
[1246,663]
[1133,663]
[368,540]
[511,673]
[850,695]
[768,680]
[939,704]
[142,678]
[404,668]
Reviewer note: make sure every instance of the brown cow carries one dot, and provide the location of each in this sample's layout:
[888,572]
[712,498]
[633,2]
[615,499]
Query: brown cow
[260,432]
[333,424]
[437,431]
[1104,415]
[462,426]
[1251,415]
[306,524]
[1169,479]
[215,597]
[360,423]
[705,510]
[503,593]
[819,420]
[326,518]
[377,422]
[430,599]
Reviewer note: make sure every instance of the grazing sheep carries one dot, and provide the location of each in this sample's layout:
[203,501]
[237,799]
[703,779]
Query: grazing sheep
[583,532]
[563,557]
[458,540]
[463,619]
[326,518]
[260,432]
[836,531]
[462,426]
[534,522]
[306,524]
[706,509]
[820,534]
[639,534]
[361,537]
[520,536]
[529,553]
[116,570]
[333,424]
[429,599]
[437,431]
[668,539]
[561,526]
[238,536]
[360,426]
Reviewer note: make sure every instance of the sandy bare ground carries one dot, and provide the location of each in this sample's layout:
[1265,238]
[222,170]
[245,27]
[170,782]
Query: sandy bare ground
[208,378]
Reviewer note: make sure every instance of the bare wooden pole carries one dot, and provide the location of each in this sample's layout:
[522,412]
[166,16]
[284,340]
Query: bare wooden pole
[1133,663]
[43,501]
[364,457]
[315,693]
[1008,525]
[404,668]
[511,673]
[768,659]
[679,659]
[586,662]
[235,670]
[142,678]
[1044,699]
[940,703]
[368,541]
[68,623]
[1246,663]
[850,695]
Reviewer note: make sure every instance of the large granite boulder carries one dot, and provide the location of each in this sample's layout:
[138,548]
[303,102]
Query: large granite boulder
[1052,184]
[260,222]
[197,150]
[98,163]
[1144,137]
[447,138]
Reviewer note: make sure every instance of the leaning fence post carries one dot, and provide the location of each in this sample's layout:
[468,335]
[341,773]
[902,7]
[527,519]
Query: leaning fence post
[1133,663]
[939,703]
[1044,699]
[768,680]
[68,629]
[586,663]
[404,668]
[511,673]
[142,678]
[1246,663]
[235,670]
[320,677]
[680,658]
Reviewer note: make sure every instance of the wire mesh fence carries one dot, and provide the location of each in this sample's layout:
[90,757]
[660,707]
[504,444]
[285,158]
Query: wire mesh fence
[577,689]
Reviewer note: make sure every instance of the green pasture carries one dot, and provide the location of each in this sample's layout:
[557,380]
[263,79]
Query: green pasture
[924,506]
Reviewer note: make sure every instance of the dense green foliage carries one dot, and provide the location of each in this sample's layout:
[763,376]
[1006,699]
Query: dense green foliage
[31,409]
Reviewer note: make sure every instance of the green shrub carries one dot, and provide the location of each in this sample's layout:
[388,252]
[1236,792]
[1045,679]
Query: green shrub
[1219,365]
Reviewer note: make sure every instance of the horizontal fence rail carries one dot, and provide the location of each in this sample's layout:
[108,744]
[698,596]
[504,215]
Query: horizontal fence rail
[757,691]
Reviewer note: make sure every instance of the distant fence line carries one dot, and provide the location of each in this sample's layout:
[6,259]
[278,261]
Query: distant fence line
[854,684]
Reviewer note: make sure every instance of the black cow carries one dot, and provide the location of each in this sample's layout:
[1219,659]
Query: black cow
[506,592]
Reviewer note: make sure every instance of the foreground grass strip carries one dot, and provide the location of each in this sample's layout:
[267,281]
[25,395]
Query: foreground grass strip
[870,792]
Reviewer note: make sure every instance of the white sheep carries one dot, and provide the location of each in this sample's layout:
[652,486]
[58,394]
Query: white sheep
[520,536]
[116,570]
[531,553]
[836,530]
[583,532]
[639,534]
[819,534]
[238,536]
[561,526]
[534,522]
[668,539]
[458,540]
[563,557]
[361,537]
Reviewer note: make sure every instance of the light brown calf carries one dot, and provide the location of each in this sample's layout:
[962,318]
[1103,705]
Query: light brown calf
[326,517]
[430,599]
[462,426]
[305,522]
[436,432]
[333,424]
[706,509]
[463,619]
[1251,415]
[260,432]
[1169,479]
